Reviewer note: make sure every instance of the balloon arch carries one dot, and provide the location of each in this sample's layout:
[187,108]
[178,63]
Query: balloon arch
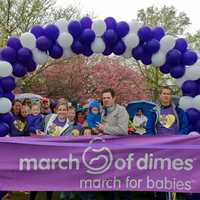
[64,39]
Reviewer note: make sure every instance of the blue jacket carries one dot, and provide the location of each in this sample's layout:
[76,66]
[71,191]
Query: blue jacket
[35,123]
[181,119]
[92,118]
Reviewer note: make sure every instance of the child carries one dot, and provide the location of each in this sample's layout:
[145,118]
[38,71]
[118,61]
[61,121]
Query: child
[19,124]
[35,120]
[94,116]
[25,111]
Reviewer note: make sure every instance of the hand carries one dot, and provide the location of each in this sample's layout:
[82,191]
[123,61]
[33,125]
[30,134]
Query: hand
[100,127]
[40,133]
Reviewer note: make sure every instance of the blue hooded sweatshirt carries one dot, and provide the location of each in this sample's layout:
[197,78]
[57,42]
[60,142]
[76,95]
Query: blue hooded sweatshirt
[35,122]
[93,119]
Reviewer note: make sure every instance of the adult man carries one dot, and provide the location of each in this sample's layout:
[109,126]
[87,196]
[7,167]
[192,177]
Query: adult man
[114,117]
[168,119]
[114,122]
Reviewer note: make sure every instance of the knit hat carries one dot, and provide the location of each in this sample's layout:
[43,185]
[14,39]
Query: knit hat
[95,104]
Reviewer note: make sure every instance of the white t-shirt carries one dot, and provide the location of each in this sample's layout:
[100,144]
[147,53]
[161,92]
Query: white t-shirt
[140,123]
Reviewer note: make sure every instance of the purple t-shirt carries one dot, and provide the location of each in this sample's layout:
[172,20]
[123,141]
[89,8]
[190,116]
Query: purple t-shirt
[57,122]
[167,122]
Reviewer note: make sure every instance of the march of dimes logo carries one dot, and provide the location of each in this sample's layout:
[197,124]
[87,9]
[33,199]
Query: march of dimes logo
[97,160]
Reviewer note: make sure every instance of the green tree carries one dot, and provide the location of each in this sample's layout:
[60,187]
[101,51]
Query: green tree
[17,16]
[175,23]
[194,41]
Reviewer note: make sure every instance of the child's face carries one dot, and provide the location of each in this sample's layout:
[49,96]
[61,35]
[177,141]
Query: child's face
[95,110]
[87,132]
[35,110]
[81,117]
[25,111]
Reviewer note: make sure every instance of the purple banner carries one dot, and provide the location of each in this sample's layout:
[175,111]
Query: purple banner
[100,163]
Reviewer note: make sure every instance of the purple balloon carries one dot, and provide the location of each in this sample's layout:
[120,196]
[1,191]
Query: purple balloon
[122,29]
[0,54]
[197,125]
[189,57]
[52,32]
[9,54]
[193,115]
[145,34]
[10,96]
[174,57]
[111,23]
[110,37]
[43,43]
[152,46]
[4,129]
[181,45]
[146,59]
[77,47]
[24,55]
[56,51]
[31,66]
[87,51]
[86,22]
[165,69]
[158,33]
[189,88]
[1,91]
[6,118]
[119,48]
[138,52]
[107,51]
[87,36]
[177,71]
[74,27]
[37,31]
[8,84]
[14,43]
[19,70]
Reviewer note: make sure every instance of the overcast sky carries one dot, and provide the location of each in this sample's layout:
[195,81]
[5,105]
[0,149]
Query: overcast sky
[127,9]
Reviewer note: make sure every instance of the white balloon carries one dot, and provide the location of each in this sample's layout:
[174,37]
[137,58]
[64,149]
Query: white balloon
[5,69]
[65,40]
[192,72]
[158,59]
[40,57]
[134,26]
[180,81]
[98,45]
[68,53]
[127,53]
[5,105]
[131,40]
[28,40]
[197,63]
[99,27]
[186,102]
[166,43]
[196,102]
[62,25]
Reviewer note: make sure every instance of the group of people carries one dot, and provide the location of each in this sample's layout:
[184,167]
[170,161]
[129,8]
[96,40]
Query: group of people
[106,117]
